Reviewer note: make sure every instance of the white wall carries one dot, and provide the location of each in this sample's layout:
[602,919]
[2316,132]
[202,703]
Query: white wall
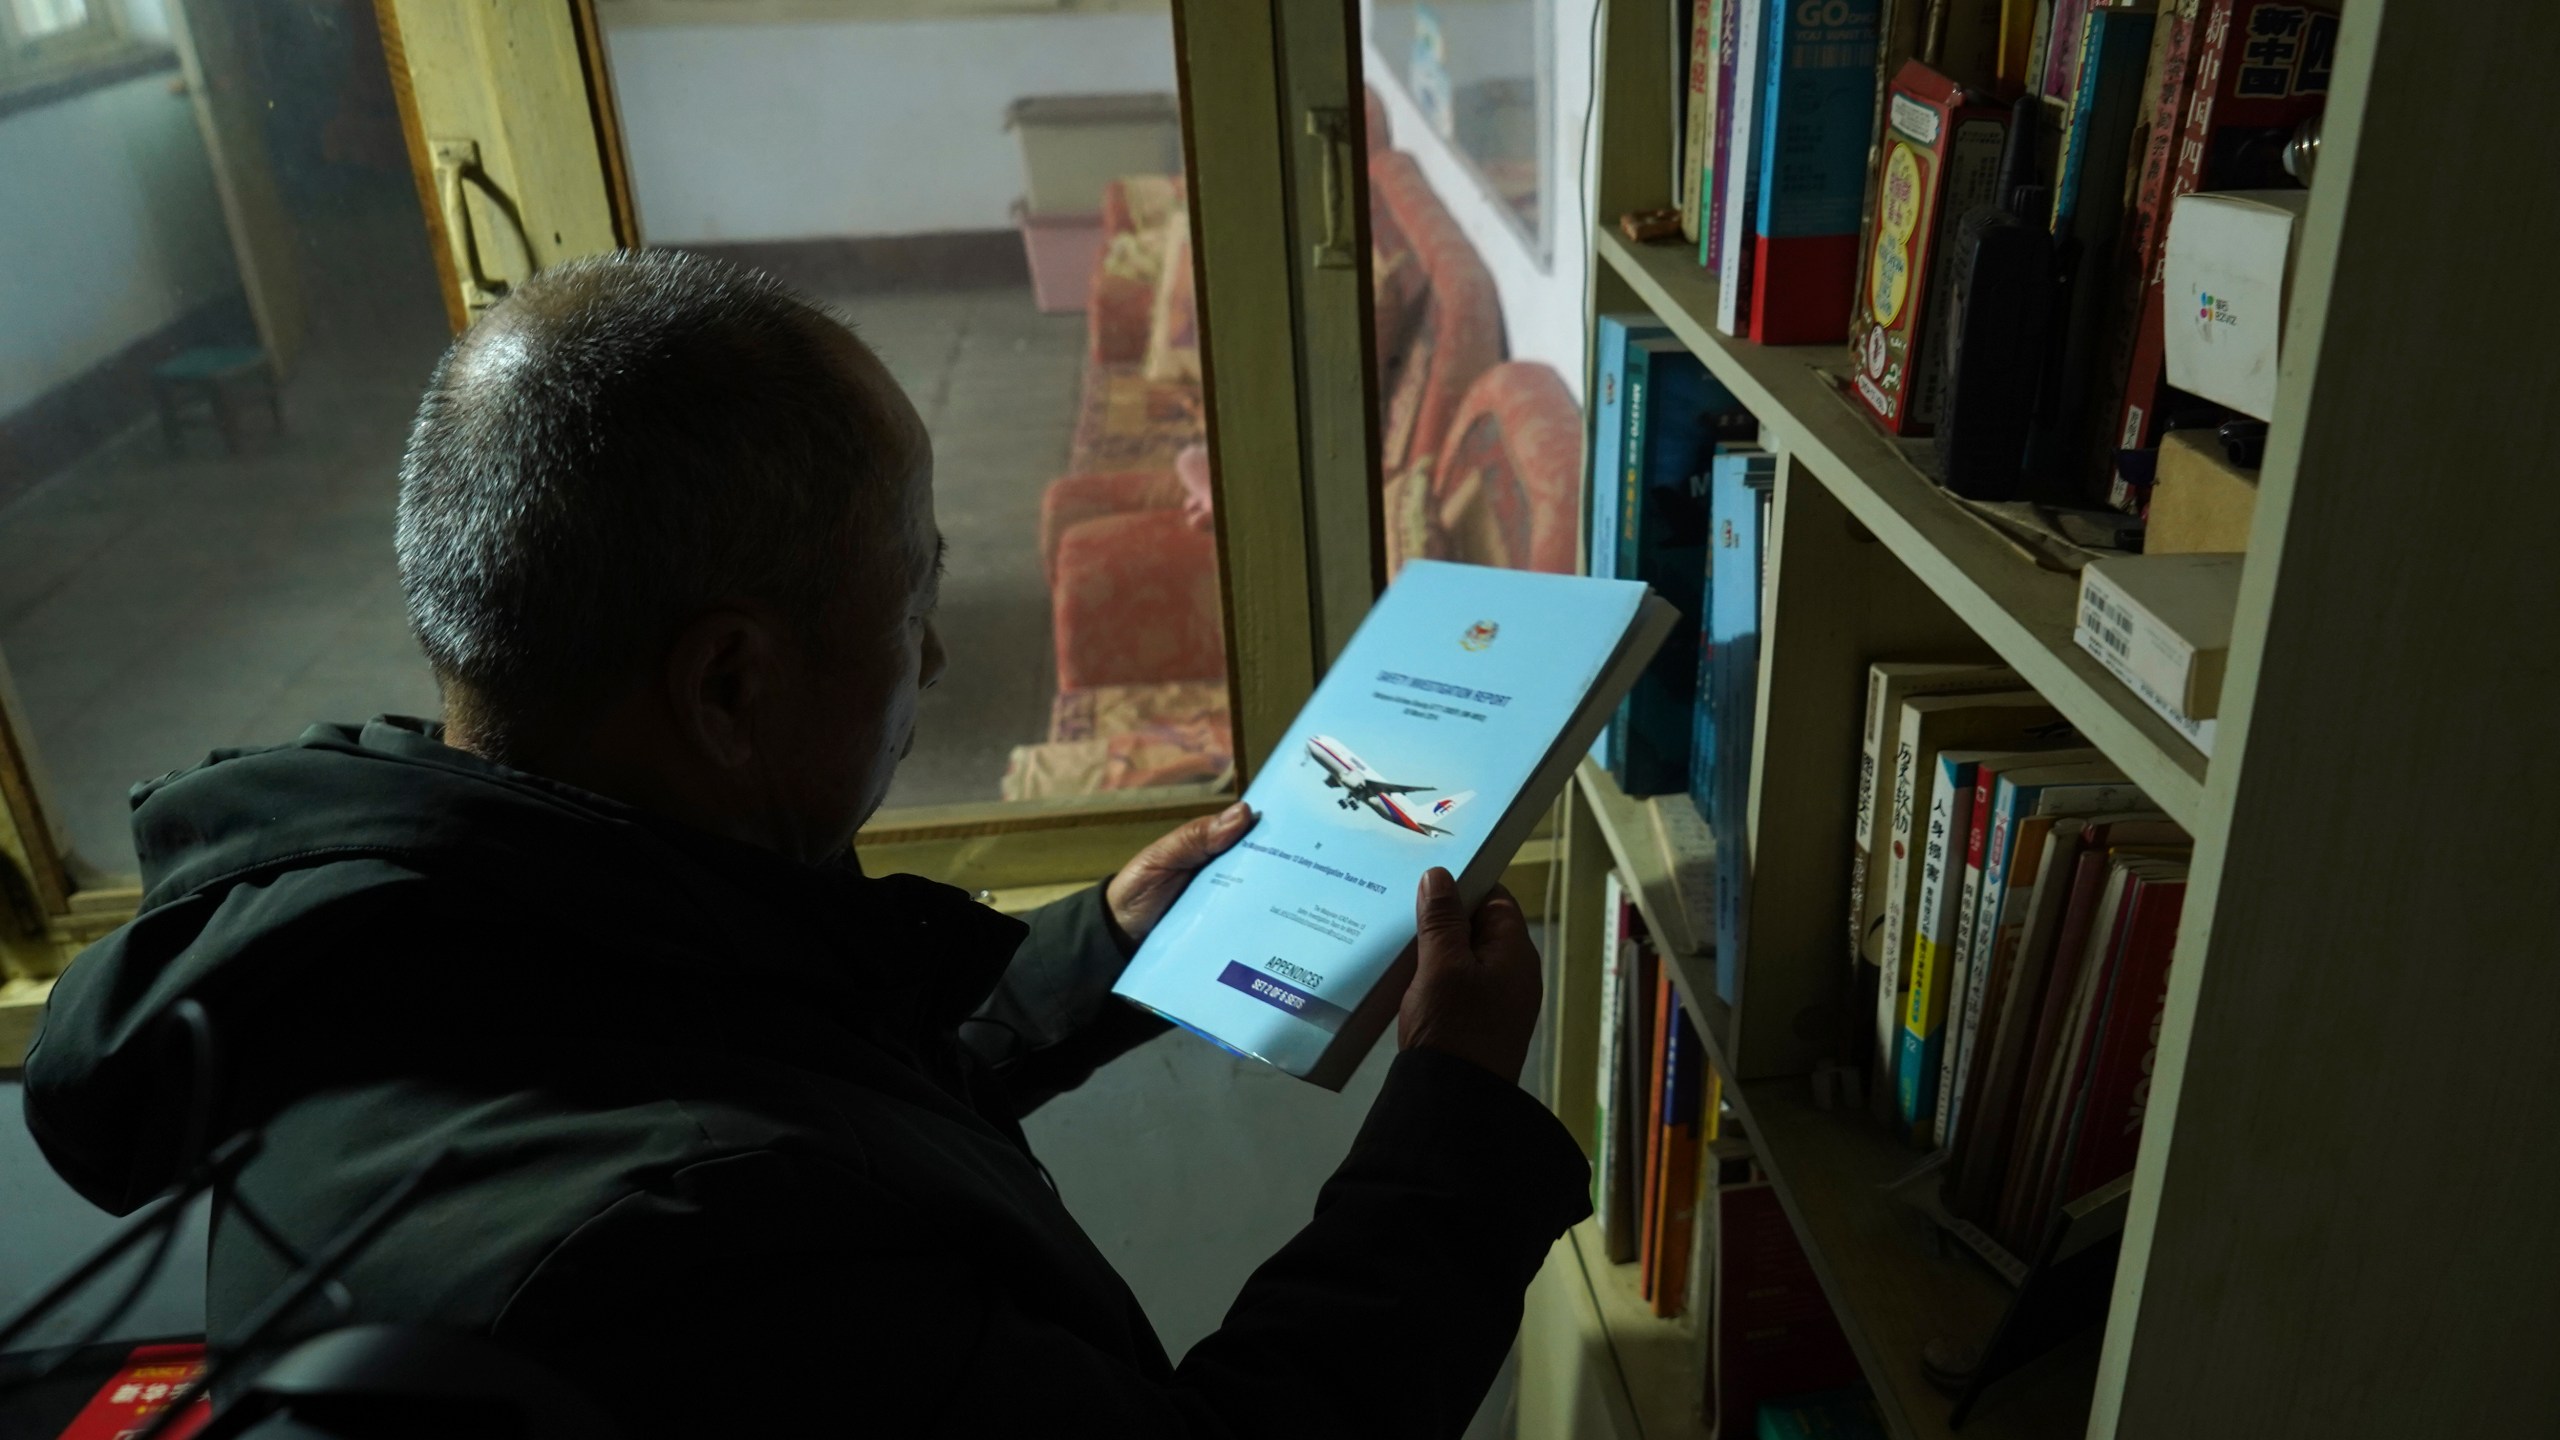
[784,131]
[109,229]
[1542,300]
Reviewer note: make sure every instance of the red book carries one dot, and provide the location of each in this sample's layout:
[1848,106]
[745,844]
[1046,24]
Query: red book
[152,1376]
[1775,1334]
[2070,963]
[1666,1003]
[2255,70]
[2107,947]
[2119,1089]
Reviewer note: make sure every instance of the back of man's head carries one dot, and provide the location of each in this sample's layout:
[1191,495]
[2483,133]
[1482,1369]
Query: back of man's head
[623,443]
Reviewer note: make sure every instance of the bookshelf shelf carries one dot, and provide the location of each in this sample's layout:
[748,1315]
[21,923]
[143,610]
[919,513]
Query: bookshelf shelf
[2375,620]
[1893,1282]
[2022,611]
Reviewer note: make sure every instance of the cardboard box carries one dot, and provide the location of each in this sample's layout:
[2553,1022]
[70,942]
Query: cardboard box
[2201,503]
[2167,620]
[2228,276]
[1940,158]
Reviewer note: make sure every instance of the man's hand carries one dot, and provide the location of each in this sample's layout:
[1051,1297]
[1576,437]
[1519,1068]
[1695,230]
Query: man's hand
[1147,886]
[1476,985]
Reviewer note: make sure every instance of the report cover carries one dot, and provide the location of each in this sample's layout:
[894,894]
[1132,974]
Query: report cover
[1448,724]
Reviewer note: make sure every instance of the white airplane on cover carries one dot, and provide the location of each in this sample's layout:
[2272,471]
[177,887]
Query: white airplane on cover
[1347,772]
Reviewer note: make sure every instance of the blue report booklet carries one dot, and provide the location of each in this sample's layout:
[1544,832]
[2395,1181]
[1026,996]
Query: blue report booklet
[1445,729]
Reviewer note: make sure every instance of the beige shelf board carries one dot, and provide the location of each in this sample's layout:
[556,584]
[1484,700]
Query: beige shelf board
[1893,1283]
[2023,612]
[1641,863]
[1658,1360]
[1635,849]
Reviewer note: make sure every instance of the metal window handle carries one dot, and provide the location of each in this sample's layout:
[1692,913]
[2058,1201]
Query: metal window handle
[457,165]
[1331,126]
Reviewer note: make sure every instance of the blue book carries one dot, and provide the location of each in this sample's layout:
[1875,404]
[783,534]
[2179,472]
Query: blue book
[1675,413]
[1614,336]
[1816,106]
[1742,482]
[1442,733]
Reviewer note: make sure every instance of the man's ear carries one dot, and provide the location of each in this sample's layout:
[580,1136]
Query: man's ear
[719,676]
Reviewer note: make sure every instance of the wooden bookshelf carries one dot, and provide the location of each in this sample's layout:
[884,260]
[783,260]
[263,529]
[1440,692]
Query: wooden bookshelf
[2361,951]
[2022,611]
[1893,1281]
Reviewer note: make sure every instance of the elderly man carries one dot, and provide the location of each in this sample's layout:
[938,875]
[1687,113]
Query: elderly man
[733,1127]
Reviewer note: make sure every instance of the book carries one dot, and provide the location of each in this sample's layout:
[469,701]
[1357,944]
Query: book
[1889,683]
[1698,125]
[2168,618]
[1639,1058]
[1463,684]
[1612,1191]
[1612,337]
[1689,847]
[1675,413]
[1964,42]
[2014,810]
[1665,1039]
[1688,1087]
[141,1390]
[1739,170]
[2255,76]
[1940,159]
[2112,973]
[1817,95]
[2087,941]
[2091,949]
[2116,1094]
[2113,48]
[2198,733]
[1741,483]
[1949,820]
[2017,33]
[1775,1334]
[1720,150]
[2139,251]
[2059,76]
[2004,720]
[1985,1143]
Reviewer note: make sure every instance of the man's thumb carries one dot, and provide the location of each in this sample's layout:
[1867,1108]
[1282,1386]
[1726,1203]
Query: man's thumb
[1439,925]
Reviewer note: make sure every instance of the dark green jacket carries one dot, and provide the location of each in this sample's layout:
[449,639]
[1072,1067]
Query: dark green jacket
[735,1140]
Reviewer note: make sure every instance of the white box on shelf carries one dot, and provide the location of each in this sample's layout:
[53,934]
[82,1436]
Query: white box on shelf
[2225,282]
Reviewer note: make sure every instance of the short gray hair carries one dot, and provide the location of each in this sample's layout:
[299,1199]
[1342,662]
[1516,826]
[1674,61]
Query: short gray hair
[624,442]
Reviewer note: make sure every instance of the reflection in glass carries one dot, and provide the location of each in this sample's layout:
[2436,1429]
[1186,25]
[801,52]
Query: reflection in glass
[1478,71]
[212,339]
[997,205]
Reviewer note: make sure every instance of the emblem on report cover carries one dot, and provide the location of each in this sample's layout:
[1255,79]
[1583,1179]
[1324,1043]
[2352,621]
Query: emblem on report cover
[1479,635]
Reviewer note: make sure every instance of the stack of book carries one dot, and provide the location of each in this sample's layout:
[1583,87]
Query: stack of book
[1660,424]
[1682,1199]
[1841,170]
[2014,906]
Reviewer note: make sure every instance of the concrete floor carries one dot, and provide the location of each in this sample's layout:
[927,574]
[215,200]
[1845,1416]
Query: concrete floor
[156,606]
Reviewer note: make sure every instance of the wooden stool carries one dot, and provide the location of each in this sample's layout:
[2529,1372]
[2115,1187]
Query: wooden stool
[224,378]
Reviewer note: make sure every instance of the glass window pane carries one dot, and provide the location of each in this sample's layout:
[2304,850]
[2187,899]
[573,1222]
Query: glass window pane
[198,479]
[39,18]
[996,204]
[1478,257]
